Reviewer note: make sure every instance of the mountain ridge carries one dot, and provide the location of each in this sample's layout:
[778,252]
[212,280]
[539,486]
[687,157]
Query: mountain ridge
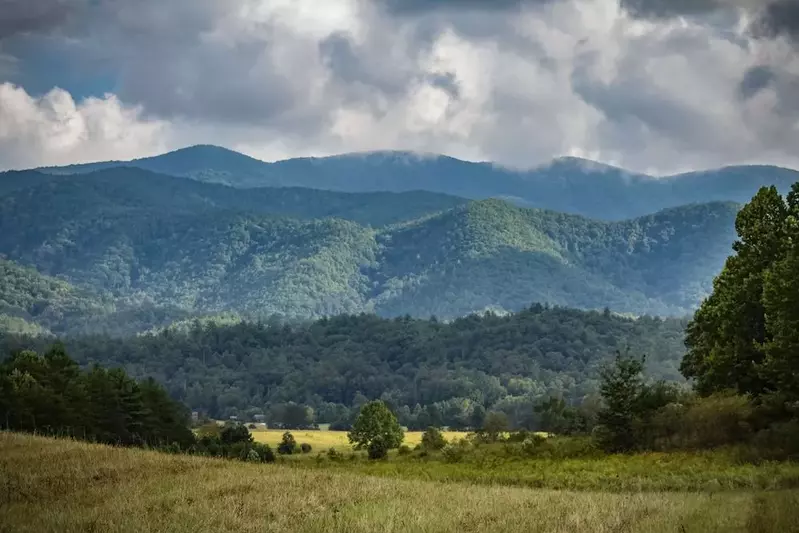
[568,184]
[162,242]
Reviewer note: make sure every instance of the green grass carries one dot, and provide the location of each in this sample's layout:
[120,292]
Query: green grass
[64,486]
[705,472]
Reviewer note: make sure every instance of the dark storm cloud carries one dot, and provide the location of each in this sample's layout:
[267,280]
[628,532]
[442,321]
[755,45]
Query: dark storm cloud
[755,80]
[33,16]
[771,18]
[779,18]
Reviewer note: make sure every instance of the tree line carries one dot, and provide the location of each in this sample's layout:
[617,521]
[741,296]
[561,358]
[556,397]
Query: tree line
[430,372]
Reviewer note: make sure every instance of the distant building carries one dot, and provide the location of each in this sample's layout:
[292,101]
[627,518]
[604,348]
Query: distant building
[260,418]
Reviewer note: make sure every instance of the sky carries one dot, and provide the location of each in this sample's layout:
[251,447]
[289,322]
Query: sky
[658,86]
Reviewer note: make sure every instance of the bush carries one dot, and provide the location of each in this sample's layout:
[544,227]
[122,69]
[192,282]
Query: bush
[378,449]
[533,445]
[334,455]
[288,445]
[718,420]
[404,450]
[778,442]
[433,439]
[264,452]
[234,433]
[456,452]
[305,447]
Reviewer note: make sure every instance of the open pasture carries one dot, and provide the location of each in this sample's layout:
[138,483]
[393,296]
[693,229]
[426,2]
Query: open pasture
[64,486]
[323,440]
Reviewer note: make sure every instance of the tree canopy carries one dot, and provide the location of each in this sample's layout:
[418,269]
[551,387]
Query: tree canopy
[744,336]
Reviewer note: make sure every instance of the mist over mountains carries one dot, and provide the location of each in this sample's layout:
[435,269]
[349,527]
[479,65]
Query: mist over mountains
[568,185]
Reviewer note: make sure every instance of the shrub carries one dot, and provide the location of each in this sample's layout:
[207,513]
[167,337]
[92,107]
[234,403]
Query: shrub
[264,452]
[404,450]
[305,447]
[378,449]
[534,445]
[234,433]
[456,452]
[334,455]
[288,445]
[433,439]
[778,442]
[495,424]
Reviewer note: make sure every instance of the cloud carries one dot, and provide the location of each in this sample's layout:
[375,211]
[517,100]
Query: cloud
[31,16]
[649,85]
[55,130]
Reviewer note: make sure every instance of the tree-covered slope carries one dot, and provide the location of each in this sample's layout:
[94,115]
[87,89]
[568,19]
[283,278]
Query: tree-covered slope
[118,189]
[491,254]
[503,362]
[149,240]
[569,185]
[33,303]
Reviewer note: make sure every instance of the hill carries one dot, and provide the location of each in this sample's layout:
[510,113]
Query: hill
[32,303]
[568,185]
[125,188]
[504,362]
[491,254]
[152,240]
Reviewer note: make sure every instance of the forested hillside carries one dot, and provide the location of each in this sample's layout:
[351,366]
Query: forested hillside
[121,189]
[180,248]
[569,185]
[443,370]
[492,254]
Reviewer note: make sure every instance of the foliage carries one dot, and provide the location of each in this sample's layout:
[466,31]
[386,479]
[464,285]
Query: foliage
[433,439]
[744,336]
[622,386]
[376,429]
[149,250]
[429,371]
[288,445]
[495,425]
[49,394]
[305,447]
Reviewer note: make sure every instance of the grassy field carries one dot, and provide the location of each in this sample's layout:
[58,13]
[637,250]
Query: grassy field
[63,486]
[324,440]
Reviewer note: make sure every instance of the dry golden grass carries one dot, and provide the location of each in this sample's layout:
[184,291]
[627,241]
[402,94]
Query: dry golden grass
[63,486]
[324,440]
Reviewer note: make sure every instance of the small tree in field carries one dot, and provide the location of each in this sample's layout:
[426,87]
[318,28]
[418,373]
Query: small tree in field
[376,429]
[288,445]
[495,424]
[433,439]
[622,385]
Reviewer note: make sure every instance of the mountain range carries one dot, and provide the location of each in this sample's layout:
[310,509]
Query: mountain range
[123,249]
[568,185]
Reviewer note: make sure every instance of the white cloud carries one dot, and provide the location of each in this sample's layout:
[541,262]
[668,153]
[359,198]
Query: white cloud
[518,85]
[55,130]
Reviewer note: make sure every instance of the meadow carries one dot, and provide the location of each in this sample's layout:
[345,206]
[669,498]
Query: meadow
[323,440]
[66,486]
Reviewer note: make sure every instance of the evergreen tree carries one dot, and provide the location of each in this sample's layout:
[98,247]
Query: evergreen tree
[726,337]
[622,385]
